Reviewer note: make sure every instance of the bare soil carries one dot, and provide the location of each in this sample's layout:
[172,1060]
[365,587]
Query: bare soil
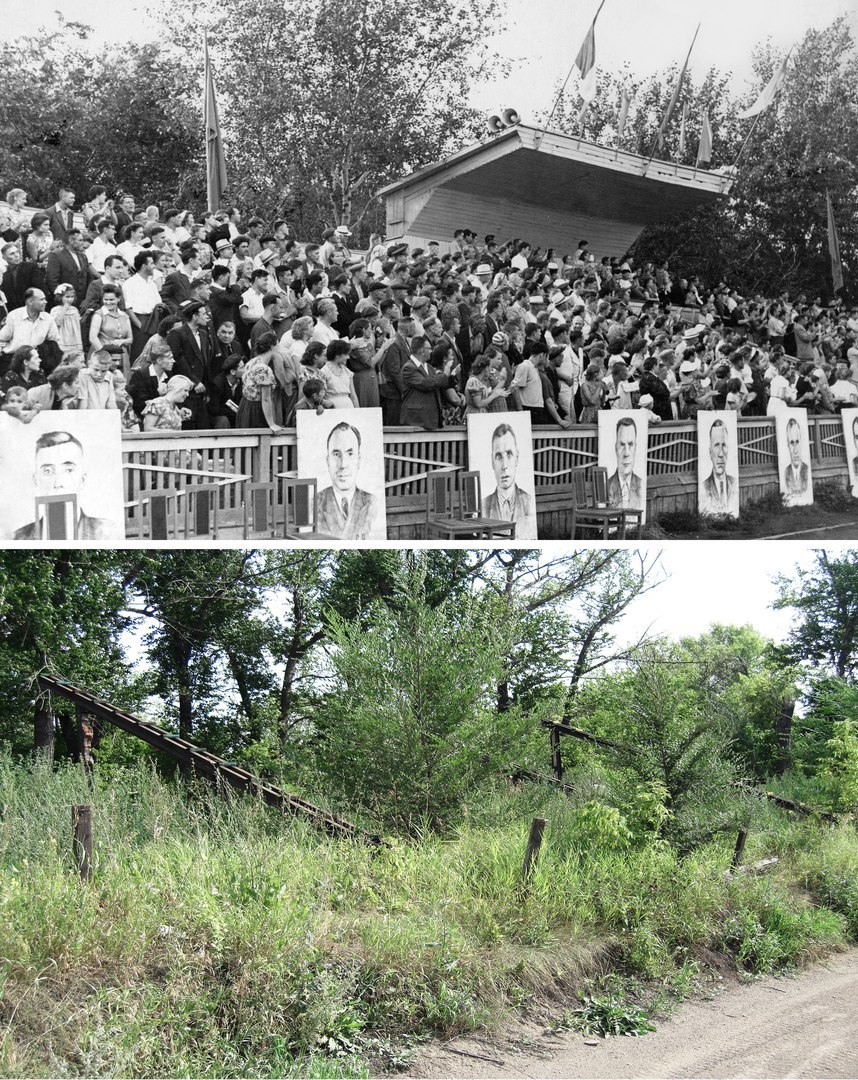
[800,1026]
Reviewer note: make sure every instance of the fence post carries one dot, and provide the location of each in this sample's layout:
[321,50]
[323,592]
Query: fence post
[739,849]
[82,840]
[534,843]
[817,437]
[556,759]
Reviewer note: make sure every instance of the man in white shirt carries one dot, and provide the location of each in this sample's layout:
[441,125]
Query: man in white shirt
[29,325]
[252,309]
[103,245]
[519,260]
[132,242]
[141,297]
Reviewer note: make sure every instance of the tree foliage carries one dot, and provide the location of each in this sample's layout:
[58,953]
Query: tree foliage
[324,103]
[77,114]
[770,235]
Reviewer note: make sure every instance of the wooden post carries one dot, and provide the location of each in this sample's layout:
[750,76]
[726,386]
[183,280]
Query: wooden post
[740,848]
[82,840]
[556,760]
[534,843]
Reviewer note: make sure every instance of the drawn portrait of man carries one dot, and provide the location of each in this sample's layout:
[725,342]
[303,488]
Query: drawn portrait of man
[345,510]
[508,502]
[62,483]
[343,449]
[719,491]
[850,438]
[500,449]
[625,487]
[792,448]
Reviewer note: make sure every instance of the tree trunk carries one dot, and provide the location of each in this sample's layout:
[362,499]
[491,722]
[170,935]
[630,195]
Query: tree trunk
[43,729]
[70,736]
[254,727]
[182,659]
[783,736]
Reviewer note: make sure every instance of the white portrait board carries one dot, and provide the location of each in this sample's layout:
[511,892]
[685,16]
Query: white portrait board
[626,431]
[793,442]
[500,449]
[343,450]
[61,478]
[718,464]
[850,437]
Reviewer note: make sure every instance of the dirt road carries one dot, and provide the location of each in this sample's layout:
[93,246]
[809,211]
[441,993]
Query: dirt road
[806,1026]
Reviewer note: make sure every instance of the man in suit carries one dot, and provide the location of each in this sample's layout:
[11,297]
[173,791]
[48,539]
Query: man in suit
[190,345]
[19,276]
[797,473]
[69,266]
[509,502]
[61,215]
[421,398]
[60,470]
[343,509]
[176,289]
[719,491]
[125,213]
[150,382]
[396,355]
[625,488]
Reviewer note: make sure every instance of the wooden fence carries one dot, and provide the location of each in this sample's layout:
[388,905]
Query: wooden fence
[411,455]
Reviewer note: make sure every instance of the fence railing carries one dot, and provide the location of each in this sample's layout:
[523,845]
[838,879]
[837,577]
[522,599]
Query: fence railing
[412,455]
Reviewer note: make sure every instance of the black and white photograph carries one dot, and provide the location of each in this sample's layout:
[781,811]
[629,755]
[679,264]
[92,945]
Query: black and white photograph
[623,452]
[850,437]
[718,468]
[61,478]
[794,457]
[501,451]
[343,450]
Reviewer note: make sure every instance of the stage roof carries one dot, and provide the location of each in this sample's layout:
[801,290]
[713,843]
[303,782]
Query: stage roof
[549,188]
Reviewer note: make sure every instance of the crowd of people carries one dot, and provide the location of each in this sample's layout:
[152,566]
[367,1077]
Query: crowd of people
[231,322]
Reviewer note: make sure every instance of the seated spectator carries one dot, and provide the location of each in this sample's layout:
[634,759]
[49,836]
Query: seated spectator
[165,413]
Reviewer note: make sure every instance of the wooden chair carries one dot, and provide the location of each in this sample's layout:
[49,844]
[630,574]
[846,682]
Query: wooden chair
[453,509]
[259,504]
[58,516]
[300,512]
[201,510]
[587,515]
[157,513]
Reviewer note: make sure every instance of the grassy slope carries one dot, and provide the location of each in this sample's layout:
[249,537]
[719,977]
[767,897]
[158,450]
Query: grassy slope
[218,939]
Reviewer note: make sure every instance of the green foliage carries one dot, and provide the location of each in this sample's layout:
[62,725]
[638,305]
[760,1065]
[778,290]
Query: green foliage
[825,599]
[610,1014]
[77,114]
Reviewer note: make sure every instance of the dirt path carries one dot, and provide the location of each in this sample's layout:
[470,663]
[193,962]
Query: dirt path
[805,1026]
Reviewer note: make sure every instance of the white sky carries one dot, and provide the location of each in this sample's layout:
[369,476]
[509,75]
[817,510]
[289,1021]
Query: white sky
[542,37]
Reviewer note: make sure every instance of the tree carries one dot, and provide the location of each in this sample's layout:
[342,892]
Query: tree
[771,233]
[825,599]
[324,103]
[76,115]
[410,724]
[60,613]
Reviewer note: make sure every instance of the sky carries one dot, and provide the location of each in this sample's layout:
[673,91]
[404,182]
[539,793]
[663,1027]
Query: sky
[541,37]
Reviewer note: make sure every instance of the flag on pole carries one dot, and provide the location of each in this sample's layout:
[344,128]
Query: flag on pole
[675,96]
[215,161]
[624,114]
[834,246]
[769,92]
[704,151]
[682,127]
[585,61]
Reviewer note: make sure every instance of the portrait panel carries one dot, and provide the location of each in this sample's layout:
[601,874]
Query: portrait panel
[850,436]
[343,450]
[623,435]
[61,478]
[794,475]
[500,449]
[718,464]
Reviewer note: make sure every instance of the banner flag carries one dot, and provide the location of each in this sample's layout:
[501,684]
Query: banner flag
[215,161]
[834,246]
[768,94]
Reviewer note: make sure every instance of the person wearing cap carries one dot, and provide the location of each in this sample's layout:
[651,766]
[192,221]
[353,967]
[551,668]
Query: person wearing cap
[190,345]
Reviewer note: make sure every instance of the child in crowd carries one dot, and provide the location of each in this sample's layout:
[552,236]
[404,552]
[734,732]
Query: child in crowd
[17,404]
[314,397]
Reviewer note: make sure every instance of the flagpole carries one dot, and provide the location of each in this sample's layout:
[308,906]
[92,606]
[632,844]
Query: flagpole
[748,139]
[678,90]
[563,87]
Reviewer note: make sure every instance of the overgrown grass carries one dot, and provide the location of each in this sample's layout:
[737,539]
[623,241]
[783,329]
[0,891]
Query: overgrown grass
[220,939]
